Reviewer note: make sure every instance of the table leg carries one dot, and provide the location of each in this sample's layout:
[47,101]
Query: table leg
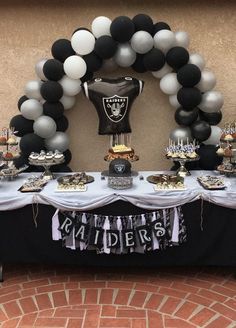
[1,272]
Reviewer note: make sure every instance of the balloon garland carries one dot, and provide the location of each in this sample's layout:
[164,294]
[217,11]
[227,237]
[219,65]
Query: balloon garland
[139,43]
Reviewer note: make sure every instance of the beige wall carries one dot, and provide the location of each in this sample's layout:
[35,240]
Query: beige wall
[28,29]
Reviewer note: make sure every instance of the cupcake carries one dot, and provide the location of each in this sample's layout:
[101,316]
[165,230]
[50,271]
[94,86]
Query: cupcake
[41,157]
[220,152]
[8,155]
[3,140]
[228,137]
[11,141]
[33,156]
[58,156]
[49,157]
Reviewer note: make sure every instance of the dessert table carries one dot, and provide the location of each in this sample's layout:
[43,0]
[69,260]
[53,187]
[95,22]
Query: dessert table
[210,217]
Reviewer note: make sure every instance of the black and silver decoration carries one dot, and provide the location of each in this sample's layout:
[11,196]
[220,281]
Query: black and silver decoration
[139,43]
[120,234]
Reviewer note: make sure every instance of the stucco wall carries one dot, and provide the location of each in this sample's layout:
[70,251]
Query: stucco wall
[28,29]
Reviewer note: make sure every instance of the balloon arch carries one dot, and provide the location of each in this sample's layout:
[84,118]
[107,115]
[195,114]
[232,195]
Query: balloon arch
[139,43]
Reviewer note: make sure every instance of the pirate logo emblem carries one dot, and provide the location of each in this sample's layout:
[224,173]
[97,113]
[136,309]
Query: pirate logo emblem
[119,168]
[115,107]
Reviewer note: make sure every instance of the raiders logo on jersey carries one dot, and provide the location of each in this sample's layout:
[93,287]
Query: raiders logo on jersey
[115,107]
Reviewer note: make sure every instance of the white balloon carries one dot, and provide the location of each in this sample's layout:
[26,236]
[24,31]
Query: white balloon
[101,26]
[125,56]
[31,109]
[75,67]
[215,136]
[68,102]
[164,40]
[182,39]
[32,89]
[197,60]
[169,84]
[174,101]
[45,126]
[212,101]
[163,71]
[70,86]
[83,42]
[141,42]
[60,141]
[39,69]
[207,82]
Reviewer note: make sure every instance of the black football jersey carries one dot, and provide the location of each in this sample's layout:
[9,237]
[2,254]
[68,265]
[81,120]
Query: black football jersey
[113,99]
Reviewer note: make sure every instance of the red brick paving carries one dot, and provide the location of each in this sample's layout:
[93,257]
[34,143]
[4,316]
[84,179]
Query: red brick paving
[32,296]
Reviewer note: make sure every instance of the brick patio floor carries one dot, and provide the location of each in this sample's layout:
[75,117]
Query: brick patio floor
[36,296]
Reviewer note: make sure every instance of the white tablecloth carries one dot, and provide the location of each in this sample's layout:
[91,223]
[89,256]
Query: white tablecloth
[98,194]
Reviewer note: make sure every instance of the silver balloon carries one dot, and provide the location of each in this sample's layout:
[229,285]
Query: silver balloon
[60,141]
[215,136]
[163,71]
[71,87]
[125,56]
[169,84]
[141,42]
[32,89]
[31,109]
[181,133]
[164,40]
[197,60]
[68,102]
[109,65]
[181,39]
[45,126]
[207,82]
[212,101]
[39,69]
[174,101]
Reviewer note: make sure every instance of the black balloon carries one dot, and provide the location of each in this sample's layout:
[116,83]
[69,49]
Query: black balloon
[186,118]
[54,110]
[154,60]
[177,57]
[113,99]
[93,62]
[53,69]
[211,118]
[87,77]
[160,26]
[62,124]
[80,29]
[143,22]
[105,47]
[201,130]
[21,161]
[189,98]
[21,125]
[21,100]
[122,28]
[209,160]
[67,156]
[31,143]
[189,75]
[62,49]
[138,65]
[51,91]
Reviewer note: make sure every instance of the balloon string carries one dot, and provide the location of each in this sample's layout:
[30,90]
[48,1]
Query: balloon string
[35,211]
[201,223]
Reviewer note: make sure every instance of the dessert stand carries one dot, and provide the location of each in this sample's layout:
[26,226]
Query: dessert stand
[182,171]
[47,174]
[228,166]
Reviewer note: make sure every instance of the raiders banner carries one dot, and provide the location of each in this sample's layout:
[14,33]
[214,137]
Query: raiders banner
[120,234]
